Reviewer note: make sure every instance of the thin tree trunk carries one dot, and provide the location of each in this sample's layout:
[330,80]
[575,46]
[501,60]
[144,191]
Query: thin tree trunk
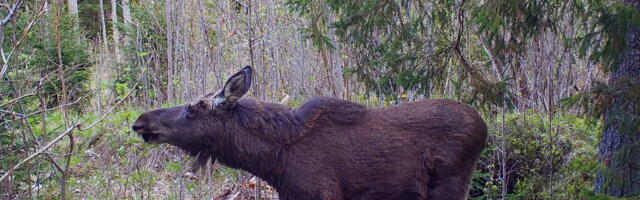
[620,145]
[63,93]
[116,32]
[169,52]
[126,15]
[103,25]
[250,41]
[73,6]
[73,10]
[207,50]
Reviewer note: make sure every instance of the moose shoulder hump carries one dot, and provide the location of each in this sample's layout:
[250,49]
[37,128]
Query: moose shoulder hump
[322,110]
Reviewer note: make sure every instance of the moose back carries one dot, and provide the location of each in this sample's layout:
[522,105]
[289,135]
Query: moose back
[328,148]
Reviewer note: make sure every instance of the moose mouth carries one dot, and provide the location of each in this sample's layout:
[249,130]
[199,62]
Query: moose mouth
[150,137]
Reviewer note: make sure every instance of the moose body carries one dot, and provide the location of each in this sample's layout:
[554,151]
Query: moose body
[329,148]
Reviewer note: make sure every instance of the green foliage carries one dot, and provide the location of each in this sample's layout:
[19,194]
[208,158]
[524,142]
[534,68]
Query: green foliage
[89,18]
[318,22]
[542,159]
[522,19]
[397,60]
[414,46]
[598,101]
[39,55]
[607,37]
[150,46]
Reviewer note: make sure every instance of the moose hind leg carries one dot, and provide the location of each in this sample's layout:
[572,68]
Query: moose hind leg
[450,180]
[448,188]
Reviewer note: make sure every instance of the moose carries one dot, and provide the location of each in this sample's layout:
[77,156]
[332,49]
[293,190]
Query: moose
[328,148]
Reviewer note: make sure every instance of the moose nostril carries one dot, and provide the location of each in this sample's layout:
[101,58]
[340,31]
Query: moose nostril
[137,126]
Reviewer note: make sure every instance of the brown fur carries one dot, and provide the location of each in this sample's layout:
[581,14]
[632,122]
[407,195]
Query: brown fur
[330,148]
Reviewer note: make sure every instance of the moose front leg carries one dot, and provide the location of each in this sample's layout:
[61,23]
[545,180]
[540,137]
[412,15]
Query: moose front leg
[301,186]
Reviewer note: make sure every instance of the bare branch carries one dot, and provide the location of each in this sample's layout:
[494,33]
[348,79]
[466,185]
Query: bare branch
[17,99]
[22,116]
[55,164]
[3,23]
[11,14]
[12,113]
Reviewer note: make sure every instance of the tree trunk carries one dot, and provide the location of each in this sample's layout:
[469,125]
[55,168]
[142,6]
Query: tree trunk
[73,10]
[169,52]
[116,32]
[103,25]
[126,15]
[62,78]
[207,49]
[73,7]
[620,146]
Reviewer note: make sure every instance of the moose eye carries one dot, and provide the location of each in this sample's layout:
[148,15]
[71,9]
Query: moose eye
[189,112]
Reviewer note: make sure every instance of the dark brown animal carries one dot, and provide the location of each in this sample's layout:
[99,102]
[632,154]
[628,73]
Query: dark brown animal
[329,148]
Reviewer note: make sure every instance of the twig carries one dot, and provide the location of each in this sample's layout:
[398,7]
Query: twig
[40,111]
[17,99]
[55,164]
[12,113]
[76,125]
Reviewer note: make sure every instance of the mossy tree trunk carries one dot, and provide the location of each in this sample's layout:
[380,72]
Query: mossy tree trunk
[620,146]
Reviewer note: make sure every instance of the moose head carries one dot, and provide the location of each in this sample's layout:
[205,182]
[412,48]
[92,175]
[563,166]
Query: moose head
[196,126]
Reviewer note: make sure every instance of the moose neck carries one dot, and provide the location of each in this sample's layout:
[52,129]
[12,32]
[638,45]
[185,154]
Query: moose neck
[259,145]
[256,157]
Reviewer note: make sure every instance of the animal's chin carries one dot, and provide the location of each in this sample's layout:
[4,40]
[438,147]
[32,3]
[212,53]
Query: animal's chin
[151,138]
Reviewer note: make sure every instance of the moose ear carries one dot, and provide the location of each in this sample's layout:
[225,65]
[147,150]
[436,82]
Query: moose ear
[234,88]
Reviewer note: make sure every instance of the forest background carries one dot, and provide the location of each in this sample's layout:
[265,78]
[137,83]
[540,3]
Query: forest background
[557,81]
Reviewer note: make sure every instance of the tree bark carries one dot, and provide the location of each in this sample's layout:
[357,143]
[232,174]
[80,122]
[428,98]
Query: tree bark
[207,49]
[116,32]
[73,7]
[103,25]
[73,10]
[126,15]
[620,146]
[169,52]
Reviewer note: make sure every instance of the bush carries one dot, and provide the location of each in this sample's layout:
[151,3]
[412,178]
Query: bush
[530,156]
